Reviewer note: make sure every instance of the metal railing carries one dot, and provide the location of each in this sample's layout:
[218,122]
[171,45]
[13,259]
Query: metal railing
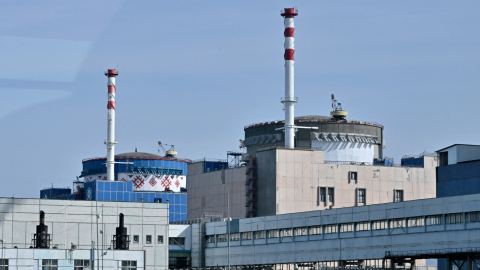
[296,148]
[209,159]
[369,164]
[317,120]
[430,252]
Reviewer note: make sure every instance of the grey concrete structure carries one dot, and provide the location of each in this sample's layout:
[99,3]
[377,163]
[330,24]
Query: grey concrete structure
[329,131]
[438,228]
[207,191]
[75,222]
[291,181]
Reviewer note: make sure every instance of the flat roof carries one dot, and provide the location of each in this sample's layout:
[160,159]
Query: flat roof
[456,145]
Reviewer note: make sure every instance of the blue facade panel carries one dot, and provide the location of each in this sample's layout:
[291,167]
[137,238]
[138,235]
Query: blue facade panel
[98,166]
[411,161]
[458,179]
[122,192]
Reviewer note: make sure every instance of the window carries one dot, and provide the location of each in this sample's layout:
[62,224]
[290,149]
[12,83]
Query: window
[301,231]
[330,195]
[454,218]
[473,217]
[235,237]
[49,264]
[398,195]
[159,239]
[148,239]
[313,230]
[127,265]
[331,228]
[286,232]
[221,238]
[272,233]
[80,264]
[434,220]
[379,225]
[347,227]
[443,158]
[246,235]
[210,238]
[136,239]
[352,177]
[397,223]
[259,235]
[361,195]
[181,240]
[415,222]
[363,226]
[322,195]
[3,264]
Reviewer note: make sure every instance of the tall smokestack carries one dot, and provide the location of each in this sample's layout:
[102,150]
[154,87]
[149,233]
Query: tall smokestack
[289,100]
[111,74]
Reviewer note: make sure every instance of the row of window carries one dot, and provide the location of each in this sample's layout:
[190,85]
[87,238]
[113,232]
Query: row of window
[48,264]
[171,240]
[348,227]
[327,194]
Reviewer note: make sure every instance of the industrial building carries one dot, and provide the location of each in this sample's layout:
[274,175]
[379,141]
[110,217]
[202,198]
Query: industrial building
[129,177]
[69,229]
[308,163]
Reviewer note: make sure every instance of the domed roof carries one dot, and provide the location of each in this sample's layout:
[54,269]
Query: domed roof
[138,155]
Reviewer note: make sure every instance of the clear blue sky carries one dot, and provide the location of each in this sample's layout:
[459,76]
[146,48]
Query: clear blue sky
[193,73]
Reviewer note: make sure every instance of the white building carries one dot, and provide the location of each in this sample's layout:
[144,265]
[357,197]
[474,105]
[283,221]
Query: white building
[72,226]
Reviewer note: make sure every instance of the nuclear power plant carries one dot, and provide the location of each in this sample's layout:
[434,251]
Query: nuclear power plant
[307,192]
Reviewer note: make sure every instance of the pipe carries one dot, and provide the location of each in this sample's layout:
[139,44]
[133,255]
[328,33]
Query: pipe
[289,100]
[42,218]
[111,74]
[121,225]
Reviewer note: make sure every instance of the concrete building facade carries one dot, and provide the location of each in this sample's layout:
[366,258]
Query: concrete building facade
[209,191]
[291,181]
[72,224]
[429,228]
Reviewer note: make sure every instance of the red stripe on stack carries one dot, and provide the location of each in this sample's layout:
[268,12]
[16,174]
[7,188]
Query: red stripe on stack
[289,54]
[111,89]
[111,105]
[289,32]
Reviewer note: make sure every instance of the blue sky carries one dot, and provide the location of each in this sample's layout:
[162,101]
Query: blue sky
[194,73]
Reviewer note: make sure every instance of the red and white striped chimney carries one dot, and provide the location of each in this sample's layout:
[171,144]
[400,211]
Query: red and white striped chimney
[111,74]
[289,100]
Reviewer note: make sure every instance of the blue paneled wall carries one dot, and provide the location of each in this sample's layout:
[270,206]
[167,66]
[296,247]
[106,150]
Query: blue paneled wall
[92,167]
[122,192]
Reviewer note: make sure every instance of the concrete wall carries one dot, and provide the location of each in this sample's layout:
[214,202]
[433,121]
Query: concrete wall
[290,181]
[299,175]
[355,245]
[208,192]
[75,222]
[23,259]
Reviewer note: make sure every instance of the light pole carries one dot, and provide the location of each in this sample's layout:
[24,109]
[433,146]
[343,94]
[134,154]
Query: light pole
[1,240]
[98,255]
[228,219]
